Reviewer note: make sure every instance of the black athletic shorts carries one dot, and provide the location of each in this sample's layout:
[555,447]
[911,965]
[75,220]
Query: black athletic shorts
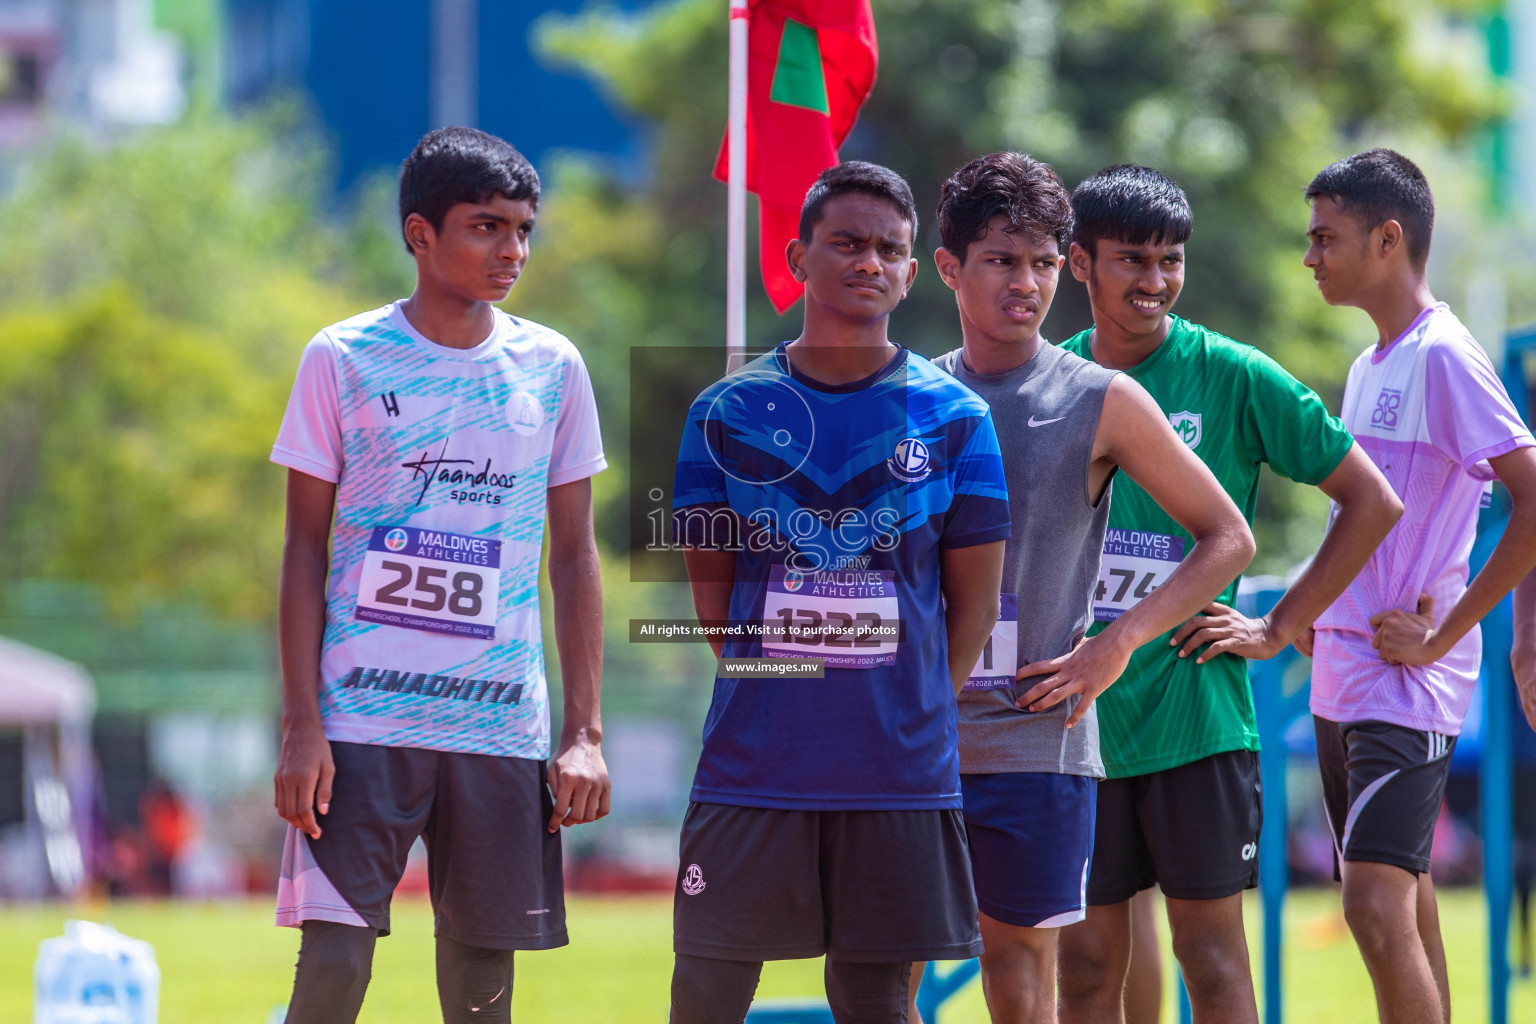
[493,868]
[863,886]
[1193,830]
[1382,787]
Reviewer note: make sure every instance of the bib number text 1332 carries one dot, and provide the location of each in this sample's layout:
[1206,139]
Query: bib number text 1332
[848,618]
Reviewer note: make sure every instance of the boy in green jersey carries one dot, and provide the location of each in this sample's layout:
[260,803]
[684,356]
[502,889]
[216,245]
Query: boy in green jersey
[1180,805]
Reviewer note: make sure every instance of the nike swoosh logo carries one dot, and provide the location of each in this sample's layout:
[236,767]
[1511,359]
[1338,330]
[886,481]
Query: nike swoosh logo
[1040,423]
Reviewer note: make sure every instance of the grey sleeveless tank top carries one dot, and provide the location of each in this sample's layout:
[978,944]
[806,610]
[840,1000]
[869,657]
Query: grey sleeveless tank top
[1046,413]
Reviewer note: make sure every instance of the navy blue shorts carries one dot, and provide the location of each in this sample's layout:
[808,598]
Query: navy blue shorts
[1031,839]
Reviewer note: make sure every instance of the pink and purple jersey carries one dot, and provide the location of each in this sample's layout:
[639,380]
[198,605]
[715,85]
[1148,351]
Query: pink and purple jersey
[442,459]
[1430,411]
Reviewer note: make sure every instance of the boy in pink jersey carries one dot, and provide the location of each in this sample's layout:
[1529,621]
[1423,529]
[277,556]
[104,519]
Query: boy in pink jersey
[1397,655]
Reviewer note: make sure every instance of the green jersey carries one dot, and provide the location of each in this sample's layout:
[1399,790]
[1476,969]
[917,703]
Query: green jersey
[1236,408]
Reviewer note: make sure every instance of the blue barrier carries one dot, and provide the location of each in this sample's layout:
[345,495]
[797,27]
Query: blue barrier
[791,1011]
[1280,694]
[1497,758]
[1279,698]
[937,988]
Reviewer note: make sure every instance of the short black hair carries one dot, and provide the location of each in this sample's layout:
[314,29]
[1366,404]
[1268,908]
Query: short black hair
[1131,204]
[1021,188]
[857,176]
[461,165]
[1381,185]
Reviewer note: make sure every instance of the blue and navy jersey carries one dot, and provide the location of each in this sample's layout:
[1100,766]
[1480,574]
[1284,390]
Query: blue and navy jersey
[838,501]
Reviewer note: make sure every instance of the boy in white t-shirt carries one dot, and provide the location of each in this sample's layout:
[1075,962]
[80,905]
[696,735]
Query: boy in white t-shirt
[1397,655]
[426,444]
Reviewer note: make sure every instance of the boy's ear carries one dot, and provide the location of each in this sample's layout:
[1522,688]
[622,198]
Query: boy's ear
[911,276]
[418,233]
[948,266]
[794,255]
[1391,237]
[1080,262]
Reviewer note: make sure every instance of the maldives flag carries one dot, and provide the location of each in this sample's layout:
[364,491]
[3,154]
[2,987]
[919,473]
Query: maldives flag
[810,66]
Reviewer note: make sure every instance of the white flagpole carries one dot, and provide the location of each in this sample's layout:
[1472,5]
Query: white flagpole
[736,195]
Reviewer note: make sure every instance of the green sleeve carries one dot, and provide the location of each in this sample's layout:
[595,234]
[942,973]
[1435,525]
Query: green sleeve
[1287,425]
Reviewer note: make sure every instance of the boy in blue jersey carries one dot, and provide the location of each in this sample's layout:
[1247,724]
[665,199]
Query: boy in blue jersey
[842,506]
[425,443]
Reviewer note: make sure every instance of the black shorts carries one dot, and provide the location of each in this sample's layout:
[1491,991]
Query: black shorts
[1382,787]
[863,886]
[1192,829]
[493,868]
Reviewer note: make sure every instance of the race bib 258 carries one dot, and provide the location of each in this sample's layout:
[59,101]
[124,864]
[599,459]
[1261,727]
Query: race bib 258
[431,580]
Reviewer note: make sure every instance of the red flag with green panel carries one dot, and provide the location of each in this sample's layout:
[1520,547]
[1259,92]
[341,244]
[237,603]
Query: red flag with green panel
[810,66]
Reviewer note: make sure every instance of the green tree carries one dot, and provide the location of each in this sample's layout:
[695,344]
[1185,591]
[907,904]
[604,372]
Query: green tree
[154,296]
[1240,101]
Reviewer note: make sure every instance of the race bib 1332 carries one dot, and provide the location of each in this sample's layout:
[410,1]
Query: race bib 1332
[849,618]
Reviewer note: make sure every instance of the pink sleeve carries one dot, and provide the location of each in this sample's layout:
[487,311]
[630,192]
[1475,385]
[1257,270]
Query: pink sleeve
[310,437]
[1468,413]
[578,446]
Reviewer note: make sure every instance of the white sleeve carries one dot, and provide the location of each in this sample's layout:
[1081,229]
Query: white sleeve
[578,446]
[310,437]
[1467,410]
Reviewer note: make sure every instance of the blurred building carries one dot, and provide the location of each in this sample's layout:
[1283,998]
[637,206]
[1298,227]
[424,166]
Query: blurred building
[98,62]
[48,784]
[185,715]
[382,74]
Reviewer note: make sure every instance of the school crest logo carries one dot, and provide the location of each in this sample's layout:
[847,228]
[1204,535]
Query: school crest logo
[395,539]
[1385,413]
[693,880]
[524,413]
[1187,425]
[911,461]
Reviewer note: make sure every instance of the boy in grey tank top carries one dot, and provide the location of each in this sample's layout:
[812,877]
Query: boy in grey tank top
[1029,757]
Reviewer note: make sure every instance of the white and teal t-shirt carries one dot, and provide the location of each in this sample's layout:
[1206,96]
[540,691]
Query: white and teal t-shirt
[441,459]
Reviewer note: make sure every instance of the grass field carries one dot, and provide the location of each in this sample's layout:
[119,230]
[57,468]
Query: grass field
[225,963]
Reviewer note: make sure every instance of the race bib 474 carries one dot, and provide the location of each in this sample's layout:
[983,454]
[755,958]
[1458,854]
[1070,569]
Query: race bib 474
[1135,563]
[427,579]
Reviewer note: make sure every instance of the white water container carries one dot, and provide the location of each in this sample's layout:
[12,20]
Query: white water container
[94,974]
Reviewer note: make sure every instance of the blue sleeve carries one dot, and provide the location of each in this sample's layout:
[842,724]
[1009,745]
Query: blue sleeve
[978,513]
[701,515]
